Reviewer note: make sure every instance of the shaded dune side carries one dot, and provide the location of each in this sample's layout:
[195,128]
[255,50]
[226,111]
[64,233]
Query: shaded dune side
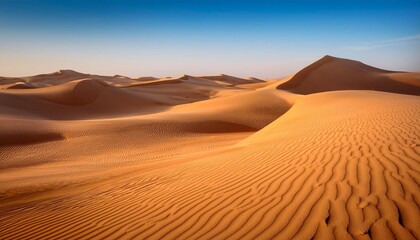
[76,93]
[331,74]
[28,137]
[149,78]
[352,174]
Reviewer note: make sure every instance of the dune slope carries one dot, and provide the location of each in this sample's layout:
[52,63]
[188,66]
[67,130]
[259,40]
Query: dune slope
[332,73]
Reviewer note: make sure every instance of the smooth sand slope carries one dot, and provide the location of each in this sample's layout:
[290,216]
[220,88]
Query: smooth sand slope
[332,73]
[212,157]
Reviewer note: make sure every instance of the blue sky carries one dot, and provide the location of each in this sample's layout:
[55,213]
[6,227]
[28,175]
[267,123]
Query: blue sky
[266,39]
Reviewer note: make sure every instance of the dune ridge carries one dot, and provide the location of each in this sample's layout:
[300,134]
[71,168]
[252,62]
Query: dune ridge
[313,156]
[332,73]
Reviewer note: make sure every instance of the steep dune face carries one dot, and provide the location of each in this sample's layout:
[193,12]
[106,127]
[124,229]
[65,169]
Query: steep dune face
[331,73]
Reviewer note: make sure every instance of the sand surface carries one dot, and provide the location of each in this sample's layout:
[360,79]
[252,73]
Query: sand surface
[332,152]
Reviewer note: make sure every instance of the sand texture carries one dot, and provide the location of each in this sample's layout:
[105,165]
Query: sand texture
[332,152]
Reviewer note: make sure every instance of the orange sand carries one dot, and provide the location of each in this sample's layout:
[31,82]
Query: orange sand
[212,157]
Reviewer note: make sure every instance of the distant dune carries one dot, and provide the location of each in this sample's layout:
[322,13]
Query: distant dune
[332,152]
[331,74]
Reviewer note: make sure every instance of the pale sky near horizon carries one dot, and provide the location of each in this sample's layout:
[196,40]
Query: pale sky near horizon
[264,38]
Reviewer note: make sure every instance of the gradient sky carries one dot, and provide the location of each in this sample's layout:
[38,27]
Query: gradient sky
[261,38]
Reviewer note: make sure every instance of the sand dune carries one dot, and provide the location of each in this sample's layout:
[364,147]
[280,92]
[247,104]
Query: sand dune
[232,80]
[212,157]
[18,85]
[43,80]
[260,107]
[65,76]
[188,89]
[75,100]
[331,73]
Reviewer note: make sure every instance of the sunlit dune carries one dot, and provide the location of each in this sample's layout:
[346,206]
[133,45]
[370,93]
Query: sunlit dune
[331,74]
[331,152]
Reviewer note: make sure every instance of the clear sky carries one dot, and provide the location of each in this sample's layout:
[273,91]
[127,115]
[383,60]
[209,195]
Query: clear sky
[261,38]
